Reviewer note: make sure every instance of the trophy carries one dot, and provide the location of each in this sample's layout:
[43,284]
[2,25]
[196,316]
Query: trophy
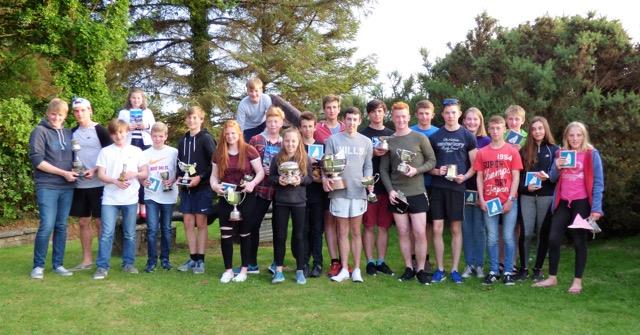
[406,157]
[78,167]
[289,170]
[383,144]
[245,179]
[370,180]
[234,198]
[189,170]
[123,174]
[333,165]
[452,172]
[165,176]
[403,204]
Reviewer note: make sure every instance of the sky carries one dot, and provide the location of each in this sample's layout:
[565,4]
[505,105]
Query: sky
[395,30]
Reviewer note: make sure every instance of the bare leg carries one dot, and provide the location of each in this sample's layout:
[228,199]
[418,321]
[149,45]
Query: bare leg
[403,225]
[356,239]
[382,242]
[330,232]
[201,242]
[343,241]
[438,243]
[456,244]
[189,232]
[367,240]
[86,237]
[418,227]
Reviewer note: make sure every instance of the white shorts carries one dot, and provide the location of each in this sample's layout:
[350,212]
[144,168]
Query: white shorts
[347,208]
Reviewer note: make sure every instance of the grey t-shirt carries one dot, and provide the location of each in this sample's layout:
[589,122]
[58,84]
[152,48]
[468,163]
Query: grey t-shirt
[89,149]
[423,161]
[358,151]
[251,115]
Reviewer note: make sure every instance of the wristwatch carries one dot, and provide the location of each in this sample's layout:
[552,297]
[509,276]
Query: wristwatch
[512,198]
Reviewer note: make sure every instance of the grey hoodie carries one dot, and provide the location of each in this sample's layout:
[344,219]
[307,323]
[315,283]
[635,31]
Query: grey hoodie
[54,147]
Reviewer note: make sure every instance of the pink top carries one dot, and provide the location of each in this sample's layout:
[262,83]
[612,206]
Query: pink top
[573,183]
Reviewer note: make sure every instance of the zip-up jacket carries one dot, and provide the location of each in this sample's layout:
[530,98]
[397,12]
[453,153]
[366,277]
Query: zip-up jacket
[197,149]
[54,147]
[545,162]
[593,177]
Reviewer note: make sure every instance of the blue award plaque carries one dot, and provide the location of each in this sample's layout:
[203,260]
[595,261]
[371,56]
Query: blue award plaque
[494,207]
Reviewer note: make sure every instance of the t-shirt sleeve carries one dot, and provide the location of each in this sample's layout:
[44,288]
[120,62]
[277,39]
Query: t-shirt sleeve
[102,159]
[477,164]
[471,141]
[142,159]
[252,153]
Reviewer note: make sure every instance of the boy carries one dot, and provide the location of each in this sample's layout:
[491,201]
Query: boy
[195,148]
[87,196]
[454,147]
[515,116]
[120,165]
[51,156]
[160,195]
[349,204]
[252,109]
[377,213]
[498,166]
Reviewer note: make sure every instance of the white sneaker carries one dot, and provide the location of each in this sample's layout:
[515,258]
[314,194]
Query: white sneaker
[356,276]
[60,270]
[468,271]
[226,277]
[240,277]
[479,271]
[342,275]
[37,273]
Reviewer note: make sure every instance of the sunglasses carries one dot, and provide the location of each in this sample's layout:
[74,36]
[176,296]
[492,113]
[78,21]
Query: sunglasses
[449,102]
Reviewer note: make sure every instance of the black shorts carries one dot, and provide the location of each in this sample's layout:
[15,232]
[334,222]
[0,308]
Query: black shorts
[87,202]
[418,203]
[197,202]
[447,204]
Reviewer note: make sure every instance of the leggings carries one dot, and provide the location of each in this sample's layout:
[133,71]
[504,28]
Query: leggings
[563,217]
[534,211]
[242,228]
[543,240]
[280,224]
[257,214]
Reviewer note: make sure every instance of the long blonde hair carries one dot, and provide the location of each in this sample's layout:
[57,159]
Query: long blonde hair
[586,143]
[222,150]
[481,130]
[299,156]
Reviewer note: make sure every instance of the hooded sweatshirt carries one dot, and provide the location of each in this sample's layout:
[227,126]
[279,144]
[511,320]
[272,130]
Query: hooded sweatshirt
[54,147]
[197,149]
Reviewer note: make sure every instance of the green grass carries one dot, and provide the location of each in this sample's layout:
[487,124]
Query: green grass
[179,303]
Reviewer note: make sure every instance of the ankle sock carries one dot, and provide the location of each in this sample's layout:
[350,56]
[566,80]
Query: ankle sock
[380,261]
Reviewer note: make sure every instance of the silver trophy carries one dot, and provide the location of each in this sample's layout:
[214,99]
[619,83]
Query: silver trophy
[234,198]
[165,176]
[245,179]
[78,166]
[383,144]
[333,166]
[370,180]
[452,172]
[189,170]
[289,170]
[406,157]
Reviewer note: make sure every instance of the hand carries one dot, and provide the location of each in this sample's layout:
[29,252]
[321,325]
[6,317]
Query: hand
[482,204]
[379,152]
[595,215]
[169,182]
[248,187]
[370,188]
[132,126]
[411,171]
[90,173]
[560,162]
[123,185]
[459,179]
[146,183]
[542,175]
[194,181]
[533,187]
[282,180]
[70,176]
[297,180]
[392,197]
[327,184]
[217,187]
[443,170]
[506,208]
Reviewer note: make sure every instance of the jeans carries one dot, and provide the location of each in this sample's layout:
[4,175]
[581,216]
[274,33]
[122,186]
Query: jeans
[509,224]
[54,206]
[158,216]
[474,238]
[108,220]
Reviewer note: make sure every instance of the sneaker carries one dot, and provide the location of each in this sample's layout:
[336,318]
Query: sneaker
[468,271]
[490,279]
[37,273]
[240,277]
[305,270]
[356,276]
[407,275]
[278,277]
[428,268]
[479,272]
[423,277]
[455,277]
[384,268]
[130,269]
[537,275]
[272,268]
[150,268]
[300,277]
[522,275]
[501,268]
[438,276]
[342,275]
[198,268]
[371,269]
[226,277]
[81,267]
[335,269]
[187,266]
[316,271]
[101,273]
[253,269]
[166,264]
[509,279]
[60,270]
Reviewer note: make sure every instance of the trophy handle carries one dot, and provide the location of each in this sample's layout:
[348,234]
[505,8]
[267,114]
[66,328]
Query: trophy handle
[376,178]
[399,152]
[244,196]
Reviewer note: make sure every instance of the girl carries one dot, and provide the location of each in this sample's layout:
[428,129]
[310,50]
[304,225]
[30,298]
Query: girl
[535,201]
[290,197]
[232,160]
[578,192]
[140,120]
[474,237]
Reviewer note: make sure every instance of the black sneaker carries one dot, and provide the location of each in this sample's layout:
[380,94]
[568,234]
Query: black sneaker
[384,268]
[305,270]
[407,275]
[537,275]
[490,279]
[501,268]
[423,277]
[316,271]
[428,268]
[371,269]
[522,275]
[509,279]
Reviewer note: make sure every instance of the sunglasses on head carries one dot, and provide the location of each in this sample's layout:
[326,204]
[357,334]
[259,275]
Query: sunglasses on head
[449,102]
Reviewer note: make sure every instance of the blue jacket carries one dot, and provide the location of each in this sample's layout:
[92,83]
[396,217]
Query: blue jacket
[594,179]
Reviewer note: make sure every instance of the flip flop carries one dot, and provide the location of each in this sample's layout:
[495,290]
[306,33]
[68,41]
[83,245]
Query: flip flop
[81,267]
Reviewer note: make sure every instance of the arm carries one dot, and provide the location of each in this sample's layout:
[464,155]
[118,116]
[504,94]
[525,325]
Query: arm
[461,178]
[480,184]
[274,175]
[368,164]
[308,179]
[513,191]
[429,156]
[598,186]
[216,186]
[256,164]
[241,115]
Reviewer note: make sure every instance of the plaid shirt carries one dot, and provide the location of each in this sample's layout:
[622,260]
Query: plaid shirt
[267,151]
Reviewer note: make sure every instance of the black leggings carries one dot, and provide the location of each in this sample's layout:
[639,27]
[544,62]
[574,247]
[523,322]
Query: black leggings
[257,214]
[563,217]
[242,228]
[280,223]
[543,241]
[314,227]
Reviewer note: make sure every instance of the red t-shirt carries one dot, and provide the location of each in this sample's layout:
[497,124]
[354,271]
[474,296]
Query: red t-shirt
[233,174]
[497,165]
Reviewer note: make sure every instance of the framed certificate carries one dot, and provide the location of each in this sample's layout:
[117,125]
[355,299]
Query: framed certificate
[570,158]
[470,197]
[155,184]
[514,137]
[494,207]
[316,151]
[532,179]
[226,186]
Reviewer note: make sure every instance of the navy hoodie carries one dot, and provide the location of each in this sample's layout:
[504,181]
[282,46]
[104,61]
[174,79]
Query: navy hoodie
[197,149]
[54,147]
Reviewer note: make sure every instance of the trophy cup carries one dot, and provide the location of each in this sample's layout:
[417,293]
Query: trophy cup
[189,170]
[406,157]
[289,170]
[370,180]
[245,179]
[234,198]
[383,144]
[333,165]
[165,176]
[78,167]
[452,172]
[123,174]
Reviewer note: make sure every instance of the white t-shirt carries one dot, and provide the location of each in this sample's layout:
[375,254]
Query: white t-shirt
[113,159]
[161,160]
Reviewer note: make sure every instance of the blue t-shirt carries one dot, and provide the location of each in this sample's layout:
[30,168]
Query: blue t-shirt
[452,147]
[427,133]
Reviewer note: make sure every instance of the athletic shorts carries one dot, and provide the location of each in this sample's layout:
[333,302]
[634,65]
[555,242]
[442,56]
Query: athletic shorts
[447,204]
[197,202]
[378,213]
[418,203]
[347,208]
[87,202]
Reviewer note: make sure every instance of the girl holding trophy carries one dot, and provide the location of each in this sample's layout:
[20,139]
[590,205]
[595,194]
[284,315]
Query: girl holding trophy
[232,160]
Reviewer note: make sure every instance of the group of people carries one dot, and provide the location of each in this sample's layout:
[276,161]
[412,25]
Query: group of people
[496,191]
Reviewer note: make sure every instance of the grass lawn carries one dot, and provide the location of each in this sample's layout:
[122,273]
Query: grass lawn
[182,303]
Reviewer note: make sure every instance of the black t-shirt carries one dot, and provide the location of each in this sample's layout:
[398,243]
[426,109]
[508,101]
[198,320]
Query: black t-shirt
[452,147]
[373,135]
[315,192]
